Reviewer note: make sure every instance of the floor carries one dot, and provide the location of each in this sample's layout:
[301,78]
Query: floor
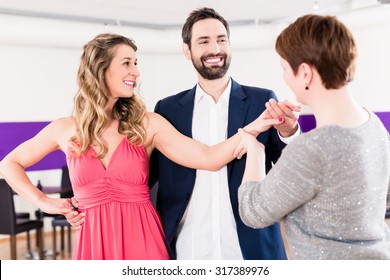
[22,247]
[21,244]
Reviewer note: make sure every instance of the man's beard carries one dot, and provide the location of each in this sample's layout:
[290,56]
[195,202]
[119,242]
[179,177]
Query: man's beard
[213,72]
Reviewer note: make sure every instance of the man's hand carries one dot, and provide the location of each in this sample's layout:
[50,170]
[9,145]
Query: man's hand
[75,218]
[255,161]
[286,110]
[247,143]
[262,123]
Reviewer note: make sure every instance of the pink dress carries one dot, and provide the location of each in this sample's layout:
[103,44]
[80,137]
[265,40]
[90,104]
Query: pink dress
[121,222]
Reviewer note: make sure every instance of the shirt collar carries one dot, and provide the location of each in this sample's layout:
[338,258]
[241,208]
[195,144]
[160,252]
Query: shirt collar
[200,93]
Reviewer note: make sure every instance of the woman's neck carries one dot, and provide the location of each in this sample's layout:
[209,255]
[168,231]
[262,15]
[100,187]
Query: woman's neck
[338,107]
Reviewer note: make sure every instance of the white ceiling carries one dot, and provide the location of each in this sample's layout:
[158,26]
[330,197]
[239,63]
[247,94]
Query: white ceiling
[70,23]
[164,14]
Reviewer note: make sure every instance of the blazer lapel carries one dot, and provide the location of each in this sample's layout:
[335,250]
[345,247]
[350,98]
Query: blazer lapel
[238,108]
[185,112]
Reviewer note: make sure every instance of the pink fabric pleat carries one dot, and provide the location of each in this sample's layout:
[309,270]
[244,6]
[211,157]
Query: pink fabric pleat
[121,223]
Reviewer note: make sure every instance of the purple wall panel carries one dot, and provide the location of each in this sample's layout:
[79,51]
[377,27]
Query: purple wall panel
[385,118]
[308,122]
[13,134]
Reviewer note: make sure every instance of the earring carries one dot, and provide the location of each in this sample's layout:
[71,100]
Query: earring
[306,87]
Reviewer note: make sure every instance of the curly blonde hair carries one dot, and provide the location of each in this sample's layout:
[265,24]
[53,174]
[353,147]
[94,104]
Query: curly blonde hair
[92,97]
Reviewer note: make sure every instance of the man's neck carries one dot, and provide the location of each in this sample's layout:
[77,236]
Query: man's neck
[214,88]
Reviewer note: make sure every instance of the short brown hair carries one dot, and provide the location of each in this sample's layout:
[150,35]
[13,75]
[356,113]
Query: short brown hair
[322,42]
[197,15]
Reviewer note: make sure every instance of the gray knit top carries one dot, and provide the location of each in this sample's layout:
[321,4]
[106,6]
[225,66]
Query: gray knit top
[329,187]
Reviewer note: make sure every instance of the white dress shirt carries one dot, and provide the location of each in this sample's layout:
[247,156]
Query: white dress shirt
[208,229]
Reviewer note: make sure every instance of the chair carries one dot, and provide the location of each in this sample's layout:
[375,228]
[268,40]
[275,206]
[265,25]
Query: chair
[62,223]
[22,215]
[59,220]
[26,215]
[12,226]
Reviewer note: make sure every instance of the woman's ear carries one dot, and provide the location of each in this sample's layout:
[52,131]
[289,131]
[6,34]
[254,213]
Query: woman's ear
[305,71]
[186,51]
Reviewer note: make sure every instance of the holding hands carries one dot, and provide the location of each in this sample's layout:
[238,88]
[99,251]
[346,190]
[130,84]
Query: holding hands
[286,110]
[253,129]
[283,116]
[248,144]
[255,161]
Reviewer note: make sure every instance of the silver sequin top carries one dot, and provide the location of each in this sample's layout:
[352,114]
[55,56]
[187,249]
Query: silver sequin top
[329,187]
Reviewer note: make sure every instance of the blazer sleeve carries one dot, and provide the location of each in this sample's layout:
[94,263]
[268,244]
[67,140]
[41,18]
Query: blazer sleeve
[153,161]
[275,145]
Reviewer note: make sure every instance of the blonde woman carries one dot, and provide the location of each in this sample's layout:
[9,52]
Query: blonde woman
[107,143]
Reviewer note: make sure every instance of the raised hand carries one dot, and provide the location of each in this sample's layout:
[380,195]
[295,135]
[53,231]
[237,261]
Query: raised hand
[286,110]
[262,123]
[248,143]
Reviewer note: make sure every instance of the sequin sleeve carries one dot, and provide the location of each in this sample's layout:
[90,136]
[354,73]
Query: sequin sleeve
[293,180]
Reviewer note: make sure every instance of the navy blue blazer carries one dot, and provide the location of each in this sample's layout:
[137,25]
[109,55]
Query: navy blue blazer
[176,183]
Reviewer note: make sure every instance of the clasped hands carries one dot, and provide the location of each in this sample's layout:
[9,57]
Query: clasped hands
[283,116]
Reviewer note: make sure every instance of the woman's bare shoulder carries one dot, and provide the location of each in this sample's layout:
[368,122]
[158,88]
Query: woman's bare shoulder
[152,120]
[152,115]
[64,124]
[153,123]
[68,121]
[62,129]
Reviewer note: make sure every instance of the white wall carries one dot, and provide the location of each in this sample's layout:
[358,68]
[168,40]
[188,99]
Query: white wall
[38,69]
[372,80]
[37,84]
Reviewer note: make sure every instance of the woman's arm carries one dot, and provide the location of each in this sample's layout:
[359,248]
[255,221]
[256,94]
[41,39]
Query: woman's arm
[13,166]
[191,153]
[291,182]
[255,158]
